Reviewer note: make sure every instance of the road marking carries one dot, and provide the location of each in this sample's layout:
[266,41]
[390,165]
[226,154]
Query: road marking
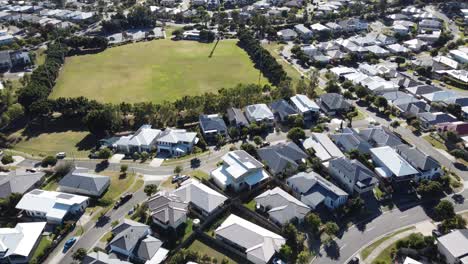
[403,216]
[369,229]
[342,246]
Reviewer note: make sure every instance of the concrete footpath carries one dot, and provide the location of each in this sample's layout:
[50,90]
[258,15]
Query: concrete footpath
[386,244]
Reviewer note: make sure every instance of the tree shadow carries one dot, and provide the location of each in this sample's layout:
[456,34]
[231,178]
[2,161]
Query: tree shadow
[87,143]
[101,166]
[332,250]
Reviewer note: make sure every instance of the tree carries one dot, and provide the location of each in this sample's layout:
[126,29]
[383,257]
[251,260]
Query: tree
[249,148]
[102,122]
[430,188]
[104,153]
[380,102]
[382,7]
[313,222]
[361,92]
[303,257]
[286,252]
[178,169]
[150,189]
[455,109]
[8,204]
[416,124]
[444,210]
[395,124]
[332,87]
[7,159]
[456,222]
[123,168]
[296,134]
[79,254]
[258,140]
[331,229]
[49,161]
[458,153]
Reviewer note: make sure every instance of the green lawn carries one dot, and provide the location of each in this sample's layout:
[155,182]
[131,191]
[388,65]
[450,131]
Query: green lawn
[275,49]
[203,249]
[43,244]
[385,255]
[198,174]
[250,205]
[155,71]
[368,250]
[435,143]
[188,229]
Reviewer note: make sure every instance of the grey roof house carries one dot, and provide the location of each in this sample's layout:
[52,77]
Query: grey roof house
[429,120]
[134,240]
[453,246]
[314,190]
[353,175]
[379,136]
[323,147]
[212,125]
[19,182]
[333,103]
[287,34]
[167,209]
[350,139]
[100,257]
[236,117]
[282,110]
[259,113]
[79,181]
[306,107]
[282,157]
[281,206]
[427,166]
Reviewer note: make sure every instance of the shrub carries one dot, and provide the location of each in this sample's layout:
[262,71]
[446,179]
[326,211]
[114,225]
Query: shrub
[7,159]
[49,161]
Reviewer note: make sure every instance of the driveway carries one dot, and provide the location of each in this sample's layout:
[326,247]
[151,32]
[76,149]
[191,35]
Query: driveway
[156,162]
[116,158]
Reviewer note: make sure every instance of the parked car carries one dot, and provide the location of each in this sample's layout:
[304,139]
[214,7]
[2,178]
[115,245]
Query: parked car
[354,260]
[69,243]
[436,233]
[123,199]
[33,170]
[179,178]
[61,155]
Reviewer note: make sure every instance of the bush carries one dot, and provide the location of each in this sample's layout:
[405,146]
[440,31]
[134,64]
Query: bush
[63,169]
[104,153]
[7,159]
[49,161]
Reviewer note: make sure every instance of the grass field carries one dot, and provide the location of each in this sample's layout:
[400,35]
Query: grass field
[41,247]
[155,71]
[203,249]
[368,250]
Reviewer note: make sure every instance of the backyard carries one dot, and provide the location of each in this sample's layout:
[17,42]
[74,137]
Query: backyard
[203,249]
[155,71]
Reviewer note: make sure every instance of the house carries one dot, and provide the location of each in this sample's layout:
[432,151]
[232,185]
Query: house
[391,166]
[239,171]
[378,51]
[333,104]
[352,175]
[314,190]
[282,157]
[409,260]
[134,240]
[100,257]
[306,107]
[350,139]
[430,24]
[5,60]
[236,117]
[259,113]
[144,139]
[412,109]
[383,39]
[17,245]
[323,147]
[415,44]
[176,142]
[453,246]
[353,24]
[287,34]
[199,196]
[428,167]
[459,127]
[52,206]
[333,26]
[79,181]
[400,29]
[257,243]
[459,55]
[303,32]
[212,125]
[420,90]
[439,96]
[19,181]
[317,27]
[6,39]
[444,63]
[282,110]
[167,209]
[429,120]
[281,207]
[379,136]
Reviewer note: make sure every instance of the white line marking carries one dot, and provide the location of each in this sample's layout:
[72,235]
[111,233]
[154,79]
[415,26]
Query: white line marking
[369,229]
[403,216]
[342,246]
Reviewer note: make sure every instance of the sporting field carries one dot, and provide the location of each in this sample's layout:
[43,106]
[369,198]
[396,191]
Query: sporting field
[155,71]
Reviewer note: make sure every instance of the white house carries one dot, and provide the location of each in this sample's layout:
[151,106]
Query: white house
[51,206]
[260,113]
[239,170]
[454,246]
[391,166]
[258,243]
[323,147]
[306,107]
[176,142]
[144,139]
[18,244]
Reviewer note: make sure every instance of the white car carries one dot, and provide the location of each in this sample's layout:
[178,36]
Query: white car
[60,155]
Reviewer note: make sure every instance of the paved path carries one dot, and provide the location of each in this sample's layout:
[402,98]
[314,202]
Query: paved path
[386,244]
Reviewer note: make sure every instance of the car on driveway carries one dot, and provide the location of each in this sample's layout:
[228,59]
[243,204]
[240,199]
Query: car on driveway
[179,178]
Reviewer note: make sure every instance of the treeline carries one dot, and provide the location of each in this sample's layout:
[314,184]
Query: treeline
[33,96]
[263,60]
[138,17]
[77,42]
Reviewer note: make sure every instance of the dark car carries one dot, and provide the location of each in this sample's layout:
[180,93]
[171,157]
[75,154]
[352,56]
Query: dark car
[436,233]
[179,178]
[354,260]
[123,199]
